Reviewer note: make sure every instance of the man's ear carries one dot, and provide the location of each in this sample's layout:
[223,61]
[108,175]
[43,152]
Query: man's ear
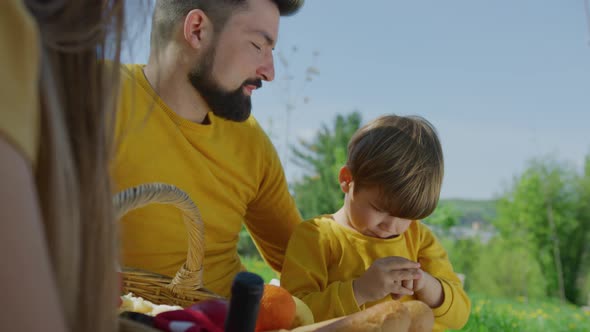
[345,179]
[197,28]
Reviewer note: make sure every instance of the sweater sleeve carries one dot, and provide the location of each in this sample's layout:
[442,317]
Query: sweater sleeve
[305,275]
[272,217]
[454,312]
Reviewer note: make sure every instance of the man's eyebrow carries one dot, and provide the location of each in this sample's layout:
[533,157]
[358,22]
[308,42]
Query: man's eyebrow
[269,40]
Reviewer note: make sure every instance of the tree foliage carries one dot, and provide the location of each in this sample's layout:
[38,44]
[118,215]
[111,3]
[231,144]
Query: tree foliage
[445,217]
[546,212]
[318,192]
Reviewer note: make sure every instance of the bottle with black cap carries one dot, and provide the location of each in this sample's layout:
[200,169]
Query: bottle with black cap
[246,292]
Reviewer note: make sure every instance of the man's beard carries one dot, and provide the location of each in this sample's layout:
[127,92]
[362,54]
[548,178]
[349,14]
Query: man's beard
[230,105]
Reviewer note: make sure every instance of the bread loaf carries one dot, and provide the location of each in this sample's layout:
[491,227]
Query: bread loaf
[390,316]
[421,316]
[312,327]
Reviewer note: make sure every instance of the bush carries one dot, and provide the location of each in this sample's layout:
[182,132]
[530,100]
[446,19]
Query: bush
[497,268]
[246,246]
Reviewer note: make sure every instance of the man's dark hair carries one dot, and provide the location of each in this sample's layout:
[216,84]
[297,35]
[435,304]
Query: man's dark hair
[168,13]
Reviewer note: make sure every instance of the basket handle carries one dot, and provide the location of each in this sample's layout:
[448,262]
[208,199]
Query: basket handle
[189,276]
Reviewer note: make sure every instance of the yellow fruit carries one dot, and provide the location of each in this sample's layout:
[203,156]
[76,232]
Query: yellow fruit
[303,315]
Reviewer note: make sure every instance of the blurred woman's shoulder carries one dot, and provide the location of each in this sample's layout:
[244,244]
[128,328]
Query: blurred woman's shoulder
[19,64]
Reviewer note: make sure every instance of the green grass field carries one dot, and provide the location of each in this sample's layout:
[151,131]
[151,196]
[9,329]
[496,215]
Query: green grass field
[493,314]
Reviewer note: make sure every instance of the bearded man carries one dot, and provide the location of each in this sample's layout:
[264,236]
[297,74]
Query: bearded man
[184,119]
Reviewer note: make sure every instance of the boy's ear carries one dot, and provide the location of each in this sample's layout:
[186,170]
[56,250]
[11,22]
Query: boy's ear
[197,28]
[345,179]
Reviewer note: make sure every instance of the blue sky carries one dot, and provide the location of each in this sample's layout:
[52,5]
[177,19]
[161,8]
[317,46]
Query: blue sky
[503,81]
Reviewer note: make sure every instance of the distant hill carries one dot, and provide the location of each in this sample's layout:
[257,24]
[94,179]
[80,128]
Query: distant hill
[472,210]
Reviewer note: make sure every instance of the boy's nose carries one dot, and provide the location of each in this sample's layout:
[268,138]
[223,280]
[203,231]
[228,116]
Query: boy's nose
[388,226]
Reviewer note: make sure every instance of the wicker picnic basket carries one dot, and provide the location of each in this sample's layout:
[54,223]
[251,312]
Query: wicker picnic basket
[186,287]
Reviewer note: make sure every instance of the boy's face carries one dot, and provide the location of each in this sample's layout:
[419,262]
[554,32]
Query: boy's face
[368,218]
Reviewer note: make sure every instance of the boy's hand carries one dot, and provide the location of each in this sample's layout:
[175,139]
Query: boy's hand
[408,284]
[429,290]
[385,276]
[421,283]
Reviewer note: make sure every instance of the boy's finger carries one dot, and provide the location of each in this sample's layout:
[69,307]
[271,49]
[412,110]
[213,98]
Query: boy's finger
[408,274]
[409,284]
[399,263]
[399,290]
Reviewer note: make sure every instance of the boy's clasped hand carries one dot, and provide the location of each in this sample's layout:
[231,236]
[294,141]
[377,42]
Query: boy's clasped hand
[393,275]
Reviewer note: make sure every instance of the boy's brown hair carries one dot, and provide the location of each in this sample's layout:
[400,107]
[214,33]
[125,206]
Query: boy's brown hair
[402,156]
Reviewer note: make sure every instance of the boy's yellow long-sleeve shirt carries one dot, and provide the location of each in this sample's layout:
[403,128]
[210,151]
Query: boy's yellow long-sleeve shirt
[230,169]
[324,257]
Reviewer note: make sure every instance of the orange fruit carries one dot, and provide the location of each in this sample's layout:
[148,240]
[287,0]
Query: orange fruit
[277,309]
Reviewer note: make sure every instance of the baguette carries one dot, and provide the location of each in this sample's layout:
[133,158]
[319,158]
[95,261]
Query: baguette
[314,327]
[421,316]
[411,316]
[390,316]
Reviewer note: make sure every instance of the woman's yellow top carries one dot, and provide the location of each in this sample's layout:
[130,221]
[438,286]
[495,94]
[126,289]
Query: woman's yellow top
[19,71]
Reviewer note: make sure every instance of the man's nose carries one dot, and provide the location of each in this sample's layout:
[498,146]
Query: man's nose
[266,71]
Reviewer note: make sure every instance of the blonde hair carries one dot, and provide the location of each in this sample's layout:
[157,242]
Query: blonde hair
[402,156]
[78,88]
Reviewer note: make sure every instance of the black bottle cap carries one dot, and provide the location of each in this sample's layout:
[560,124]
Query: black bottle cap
[246,292]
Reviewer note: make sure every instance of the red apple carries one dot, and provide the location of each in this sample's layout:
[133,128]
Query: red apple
[215,310]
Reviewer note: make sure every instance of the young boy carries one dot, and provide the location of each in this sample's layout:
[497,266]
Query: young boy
[374,249]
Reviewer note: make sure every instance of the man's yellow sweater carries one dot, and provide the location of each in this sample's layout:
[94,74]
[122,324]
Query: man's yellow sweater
[230,169]
[324,257]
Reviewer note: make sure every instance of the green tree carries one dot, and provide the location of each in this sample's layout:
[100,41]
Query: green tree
[318,192]
[246,246]
[444,217]
[500,269]
[542,214]
[582,236]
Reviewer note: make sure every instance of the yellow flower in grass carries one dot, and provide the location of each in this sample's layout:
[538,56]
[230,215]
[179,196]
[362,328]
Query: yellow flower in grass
[521,314]
[534,314]
[539,313]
